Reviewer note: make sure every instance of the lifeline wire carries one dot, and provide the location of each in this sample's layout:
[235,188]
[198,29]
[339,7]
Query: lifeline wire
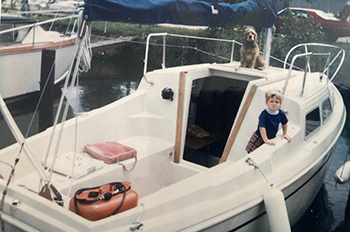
[197,49]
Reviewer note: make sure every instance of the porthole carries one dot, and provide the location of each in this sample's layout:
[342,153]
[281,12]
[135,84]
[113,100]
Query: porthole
[312,122]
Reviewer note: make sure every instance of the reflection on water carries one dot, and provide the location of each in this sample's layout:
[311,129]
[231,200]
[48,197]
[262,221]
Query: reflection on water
[115,76]
[319,217]
[92,94]
[112,76]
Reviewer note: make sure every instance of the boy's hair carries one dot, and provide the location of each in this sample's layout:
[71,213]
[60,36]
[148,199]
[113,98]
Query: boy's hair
[274,93]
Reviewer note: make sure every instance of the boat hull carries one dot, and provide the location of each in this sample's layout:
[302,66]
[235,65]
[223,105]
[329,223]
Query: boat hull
[298,197]
[21,75]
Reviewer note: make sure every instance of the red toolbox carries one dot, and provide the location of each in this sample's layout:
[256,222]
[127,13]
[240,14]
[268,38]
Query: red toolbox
[103,201]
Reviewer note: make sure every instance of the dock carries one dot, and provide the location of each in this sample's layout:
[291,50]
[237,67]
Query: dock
[104,45]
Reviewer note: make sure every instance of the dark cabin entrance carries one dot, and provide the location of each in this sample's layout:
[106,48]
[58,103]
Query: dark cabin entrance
[213,108]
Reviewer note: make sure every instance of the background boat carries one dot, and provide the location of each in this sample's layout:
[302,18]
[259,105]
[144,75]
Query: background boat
[22,41]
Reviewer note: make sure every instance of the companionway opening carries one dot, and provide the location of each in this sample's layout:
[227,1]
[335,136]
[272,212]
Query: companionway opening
[213,108]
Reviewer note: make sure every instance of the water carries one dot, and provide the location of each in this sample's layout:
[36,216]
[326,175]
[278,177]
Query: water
[116,76]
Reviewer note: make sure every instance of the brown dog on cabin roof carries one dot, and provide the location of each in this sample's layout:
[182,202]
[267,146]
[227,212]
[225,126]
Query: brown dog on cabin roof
[250,55]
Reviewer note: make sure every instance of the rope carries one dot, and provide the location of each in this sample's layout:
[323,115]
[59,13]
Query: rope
[85,62]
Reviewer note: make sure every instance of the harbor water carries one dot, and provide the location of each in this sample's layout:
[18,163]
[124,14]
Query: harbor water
[115,76]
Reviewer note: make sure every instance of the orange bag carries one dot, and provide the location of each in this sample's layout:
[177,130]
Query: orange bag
[103,201]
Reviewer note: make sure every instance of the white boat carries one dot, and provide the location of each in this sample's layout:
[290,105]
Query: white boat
[186,183]
[22,42]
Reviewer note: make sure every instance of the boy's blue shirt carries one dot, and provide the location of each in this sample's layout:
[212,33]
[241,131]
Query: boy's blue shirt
[270,122]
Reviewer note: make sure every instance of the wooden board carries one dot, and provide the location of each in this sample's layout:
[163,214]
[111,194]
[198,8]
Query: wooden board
[238,124]
[180,108]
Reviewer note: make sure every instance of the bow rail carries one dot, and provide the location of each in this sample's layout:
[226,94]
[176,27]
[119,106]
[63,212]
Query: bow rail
[308,54]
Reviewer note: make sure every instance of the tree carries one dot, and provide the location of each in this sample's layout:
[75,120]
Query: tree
[310,1]
[295,32]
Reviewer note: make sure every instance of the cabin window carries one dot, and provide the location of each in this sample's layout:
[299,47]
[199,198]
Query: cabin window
[326,110]
[213,108]
[301,14]
[312,122]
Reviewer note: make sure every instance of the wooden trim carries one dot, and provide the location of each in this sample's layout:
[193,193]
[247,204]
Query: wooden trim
[238,124]
[30,48]
[180,109]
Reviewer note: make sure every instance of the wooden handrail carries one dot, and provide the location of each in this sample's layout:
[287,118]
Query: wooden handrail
[238,124]
[180,108]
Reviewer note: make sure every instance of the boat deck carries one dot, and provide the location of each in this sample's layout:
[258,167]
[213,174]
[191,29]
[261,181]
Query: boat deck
[154,162]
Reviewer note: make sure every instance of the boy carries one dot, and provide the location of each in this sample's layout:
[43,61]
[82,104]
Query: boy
[269,120]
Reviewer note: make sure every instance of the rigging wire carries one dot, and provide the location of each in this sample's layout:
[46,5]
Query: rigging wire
[256,166]
[41,95]
[84,40]
[11,176]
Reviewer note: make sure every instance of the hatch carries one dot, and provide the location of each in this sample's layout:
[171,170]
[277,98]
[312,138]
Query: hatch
[213,107]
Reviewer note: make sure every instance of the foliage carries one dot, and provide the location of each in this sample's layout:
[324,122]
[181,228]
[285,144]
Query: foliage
[295,32]
[181,50]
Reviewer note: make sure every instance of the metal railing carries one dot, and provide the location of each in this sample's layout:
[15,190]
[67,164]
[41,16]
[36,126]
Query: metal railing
[308,54]
[306,50]
[33,25]
[181,36]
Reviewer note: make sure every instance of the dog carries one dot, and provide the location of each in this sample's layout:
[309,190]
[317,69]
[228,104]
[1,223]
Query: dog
[250,53]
